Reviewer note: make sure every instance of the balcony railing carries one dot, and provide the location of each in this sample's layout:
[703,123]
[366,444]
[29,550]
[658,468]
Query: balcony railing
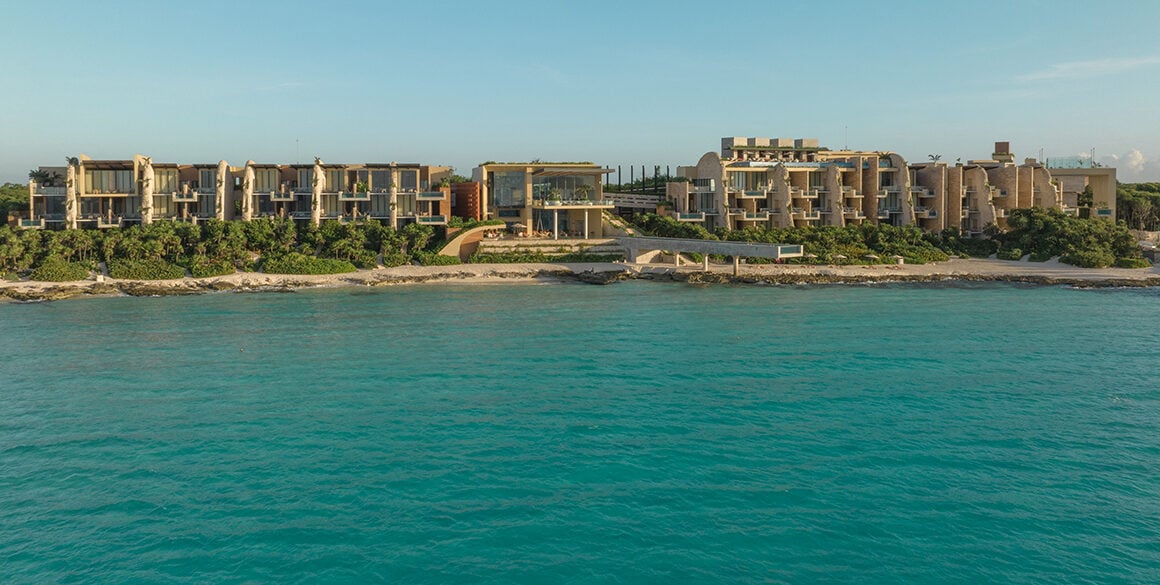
[699,216]
[283,195]
[1102,212]
[430,196]
[354,196]
[925,213]
[50,191]
[998,192]
[183,196]
[853,213]
[32,224]
[756,215]
[752,194]
[431,220]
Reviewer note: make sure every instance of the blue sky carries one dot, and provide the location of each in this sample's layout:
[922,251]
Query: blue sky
[612,82]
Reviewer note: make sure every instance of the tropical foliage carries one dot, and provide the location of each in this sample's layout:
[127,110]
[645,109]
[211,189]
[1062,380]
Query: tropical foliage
[1037,232]
[1138,205]
[213,248]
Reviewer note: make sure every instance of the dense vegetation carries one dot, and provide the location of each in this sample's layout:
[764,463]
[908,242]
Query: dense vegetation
[13,197]
[210,248]
[57,270]
[1138,205]
[1037,232]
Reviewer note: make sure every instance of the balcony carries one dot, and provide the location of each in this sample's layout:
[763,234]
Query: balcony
[431,220]
[32,224]
[851,193]
[925,213]
[806,214]
[1101,212]
[430,196]
[703,188]
[183,196]
[922,192]
[853,213]
[799,193]
[1001,212]
[698,216]
[104,222]
[752,195]
[756,216]
[996,192]
[39,191]
[354,196]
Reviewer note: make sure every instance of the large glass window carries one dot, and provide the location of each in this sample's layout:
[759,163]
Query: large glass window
[507,189]
[334,180]
[101,182]
[165,181]
[567,187]
[380,181]
[406,203]
[207,180]
[409,179]
[737,180]
[265,180]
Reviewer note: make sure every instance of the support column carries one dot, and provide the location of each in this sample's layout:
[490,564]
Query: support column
[677,257]
[586,211]
[394,201]
[705,262]
[737,266]
[555,224]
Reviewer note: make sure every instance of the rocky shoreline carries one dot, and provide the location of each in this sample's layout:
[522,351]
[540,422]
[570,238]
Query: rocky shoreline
[603,274]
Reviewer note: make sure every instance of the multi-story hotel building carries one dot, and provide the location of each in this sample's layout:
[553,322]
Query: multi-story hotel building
[779,182]
[545,198]
[87,193]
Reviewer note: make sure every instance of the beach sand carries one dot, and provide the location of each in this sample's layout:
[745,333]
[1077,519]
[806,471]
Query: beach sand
[1052,272]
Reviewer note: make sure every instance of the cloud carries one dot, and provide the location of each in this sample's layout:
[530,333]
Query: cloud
[1132,167]
[1090,68]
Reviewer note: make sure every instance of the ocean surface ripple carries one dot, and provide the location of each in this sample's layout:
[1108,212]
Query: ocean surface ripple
[637,433]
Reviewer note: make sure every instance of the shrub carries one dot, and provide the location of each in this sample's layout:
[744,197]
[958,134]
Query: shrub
[296,263]
[58,270]
[1133,263]
[144,269]
[436,259]
[203,267]
[395,258]
[1040,256]
[1009,254]
[1088,258]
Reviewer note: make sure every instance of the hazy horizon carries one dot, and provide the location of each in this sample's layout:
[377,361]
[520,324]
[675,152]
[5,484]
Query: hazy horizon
[614,83]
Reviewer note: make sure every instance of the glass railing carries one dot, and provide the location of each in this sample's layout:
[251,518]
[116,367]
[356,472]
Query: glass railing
[431,219]
[430,196]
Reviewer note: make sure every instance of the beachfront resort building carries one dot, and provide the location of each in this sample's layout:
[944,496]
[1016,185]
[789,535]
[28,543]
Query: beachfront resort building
[545,199]
[87,193]
[782,182]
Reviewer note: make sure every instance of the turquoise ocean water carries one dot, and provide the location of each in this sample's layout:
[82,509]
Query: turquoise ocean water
[635,433]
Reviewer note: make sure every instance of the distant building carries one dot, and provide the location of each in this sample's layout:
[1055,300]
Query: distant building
[109,193]
[780,182]
[554,199]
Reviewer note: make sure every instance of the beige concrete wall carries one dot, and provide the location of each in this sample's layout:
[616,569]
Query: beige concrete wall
[902,179]
[1006,177]
[780,198]
[979,191]
[954,197]
[833,184]
[871,182]
[934,178]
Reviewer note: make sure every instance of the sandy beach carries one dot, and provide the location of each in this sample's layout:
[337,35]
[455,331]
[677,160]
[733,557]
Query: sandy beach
[1046,273]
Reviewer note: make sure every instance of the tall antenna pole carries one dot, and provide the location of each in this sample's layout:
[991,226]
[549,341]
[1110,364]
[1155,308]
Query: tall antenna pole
[846,141]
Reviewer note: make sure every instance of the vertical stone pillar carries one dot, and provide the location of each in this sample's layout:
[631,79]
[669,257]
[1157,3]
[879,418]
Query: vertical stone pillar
[394,199]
